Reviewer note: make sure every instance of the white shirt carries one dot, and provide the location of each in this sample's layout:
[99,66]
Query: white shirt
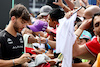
[65,39]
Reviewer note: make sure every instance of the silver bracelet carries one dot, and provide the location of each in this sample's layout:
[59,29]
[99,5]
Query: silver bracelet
[13,63]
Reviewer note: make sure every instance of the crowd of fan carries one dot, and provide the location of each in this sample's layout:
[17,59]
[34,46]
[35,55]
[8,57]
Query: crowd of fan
[31,42]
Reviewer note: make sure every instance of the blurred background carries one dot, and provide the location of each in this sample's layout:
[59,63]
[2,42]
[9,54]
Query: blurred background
[32,5]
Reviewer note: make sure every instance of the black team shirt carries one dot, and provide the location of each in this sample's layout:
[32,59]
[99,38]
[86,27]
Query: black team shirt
[10,47]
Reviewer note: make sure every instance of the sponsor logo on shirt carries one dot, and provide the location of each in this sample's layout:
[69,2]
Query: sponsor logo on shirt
[17,47]
[9,41]
[21,40]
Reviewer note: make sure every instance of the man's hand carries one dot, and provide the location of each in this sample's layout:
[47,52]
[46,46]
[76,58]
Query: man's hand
[69,14]
[40,51]
[24,58]
[41,39]
[86,24]
[59,3]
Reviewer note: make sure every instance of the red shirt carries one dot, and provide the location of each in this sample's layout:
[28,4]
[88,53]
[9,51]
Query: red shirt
[93,47]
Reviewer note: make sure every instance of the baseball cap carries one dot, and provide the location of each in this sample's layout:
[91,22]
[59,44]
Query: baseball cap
[40,58]
[44,11]
[38,25]
[86,35]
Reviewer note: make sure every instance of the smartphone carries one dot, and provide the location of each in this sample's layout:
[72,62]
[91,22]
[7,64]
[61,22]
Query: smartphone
[78,9]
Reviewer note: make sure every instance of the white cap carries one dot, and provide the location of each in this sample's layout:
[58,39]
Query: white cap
[44,11]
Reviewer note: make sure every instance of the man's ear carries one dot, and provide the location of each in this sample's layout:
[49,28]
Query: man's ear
[13,18]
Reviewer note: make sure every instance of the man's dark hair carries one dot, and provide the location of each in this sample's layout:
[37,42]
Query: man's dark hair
[20,11]
[92,26]
[97,14]
[56,14]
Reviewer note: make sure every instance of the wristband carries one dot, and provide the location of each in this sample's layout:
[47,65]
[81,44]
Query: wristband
[77,35]
[49,47]
[46,51]
[13,63]
[78,32]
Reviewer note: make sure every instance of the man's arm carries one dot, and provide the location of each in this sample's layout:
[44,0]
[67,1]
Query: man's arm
[78,50]
[70,4]
[50,42]
[5,63]
[40,32]
[61,4]
[85,64]
[98,3]
[31,39]
[13,62]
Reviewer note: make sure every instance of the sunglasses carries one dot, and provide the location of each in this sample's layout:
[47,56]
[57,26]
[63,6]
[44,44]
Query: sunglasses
[97,24]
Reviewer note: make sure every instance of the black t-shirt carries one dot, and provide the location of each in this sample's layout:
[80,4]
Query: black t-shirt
[10,47]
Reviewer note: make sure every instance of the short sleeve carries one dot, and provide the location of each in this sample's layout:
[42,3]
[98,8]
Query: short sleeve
[93,47]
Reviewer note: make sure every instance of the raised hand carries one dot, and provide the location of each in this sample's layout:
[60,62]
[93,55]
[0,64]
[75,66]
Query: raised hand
[59,3]
[69,14]
[86,24]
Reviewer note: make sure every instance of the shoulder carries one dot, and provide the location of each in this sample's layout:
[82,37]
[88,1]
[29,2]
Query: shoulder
[3,33]
[94,40]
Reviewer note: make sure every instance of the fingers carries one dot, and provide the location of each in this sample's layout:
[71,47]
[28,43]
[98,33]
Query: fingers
[34,56]
[59,3]
[38,40]
[34,51]
[41,39]
[26,56]
[55,3]
[69,14]
[90,20]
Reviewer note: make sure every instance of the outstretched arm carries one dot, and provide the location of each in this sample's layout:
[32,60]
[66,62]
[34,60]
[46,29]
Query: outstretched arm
[50,42]
[70,4]
[80,49]
[61,4]
[98,2]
